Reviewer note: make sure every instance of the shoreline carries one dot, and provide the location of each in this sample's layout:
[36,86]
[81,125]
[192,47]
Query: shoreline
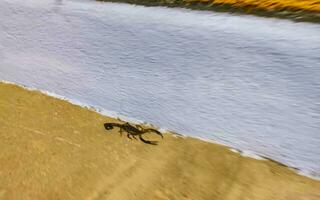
[115,116]
[52,148]
[231,105]
[280,12]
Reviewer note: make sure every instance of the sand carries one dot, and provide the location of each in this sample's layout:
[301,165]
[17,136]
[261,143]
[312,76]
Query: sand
[51,149]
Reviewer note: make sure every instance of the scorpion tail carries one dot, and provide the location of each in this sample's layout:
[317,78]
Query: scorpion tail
[147,141]
[153,130]
[157,132]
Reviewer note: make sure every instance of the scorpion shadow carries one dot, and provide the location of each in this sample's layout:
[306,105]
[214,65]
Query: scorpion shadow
[133,131]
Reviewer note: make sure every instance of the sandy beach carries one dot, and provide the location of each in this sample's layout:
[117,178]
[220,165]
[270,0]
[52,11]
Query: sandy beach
[51,149]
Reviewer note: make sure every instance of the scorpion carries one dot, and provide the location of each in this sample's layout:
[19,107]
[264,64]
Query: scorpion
[133,130]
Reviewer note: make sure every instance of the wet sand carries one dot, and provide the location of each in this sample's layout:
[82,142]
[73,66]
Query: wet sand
[51,149]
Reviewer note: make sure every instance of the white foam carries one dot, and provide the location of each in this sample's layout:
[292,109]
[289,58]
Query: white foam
[234,150]
[251,154]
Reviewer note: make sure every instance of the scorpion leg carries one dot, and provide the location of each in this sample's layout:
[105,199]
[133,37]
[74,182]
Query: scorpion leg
[134,137]
[129,136]
[121,132]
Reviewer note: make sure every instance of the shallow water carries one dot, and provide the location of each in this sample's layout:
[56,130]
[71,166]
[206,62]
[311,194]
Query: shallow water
[248,82]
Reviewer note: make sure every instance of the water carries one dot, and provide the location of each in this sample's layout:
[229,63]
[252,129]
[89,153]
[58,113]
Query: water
[247,82]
